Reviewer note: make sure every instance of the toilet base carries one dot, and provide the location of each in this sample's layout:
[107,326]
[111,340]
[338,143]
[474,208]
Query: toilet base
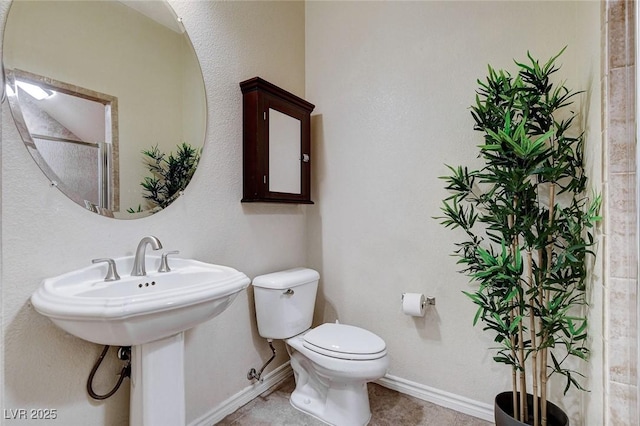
[342,407]
[333,402]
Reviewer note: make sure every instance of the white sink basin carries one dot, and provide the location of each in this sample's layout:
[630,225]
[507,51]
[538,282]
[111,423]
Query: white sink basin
[137,310]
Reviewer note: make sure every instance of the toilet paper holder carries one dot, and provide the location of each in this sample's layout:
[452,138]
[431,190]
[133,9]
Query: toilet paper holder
[428,300]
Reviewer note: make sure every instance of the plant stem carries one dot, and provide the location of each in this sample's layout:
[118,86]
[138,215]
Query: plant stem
[514,373]
[543,394]
[534,343]
[542,373]
[514,393]
[523,376]
[515,246]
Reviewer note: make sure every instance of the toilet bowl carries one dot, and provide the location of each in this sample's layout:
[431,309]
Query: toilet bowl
[332,363]
[331,385]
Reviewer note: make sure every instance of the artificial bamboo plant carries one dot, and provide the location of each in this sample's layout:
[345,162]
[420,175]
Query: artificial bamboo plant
[528,228]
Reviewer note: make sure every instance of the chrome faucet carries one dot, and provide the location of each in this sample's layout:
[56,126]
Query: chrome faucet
[139,262]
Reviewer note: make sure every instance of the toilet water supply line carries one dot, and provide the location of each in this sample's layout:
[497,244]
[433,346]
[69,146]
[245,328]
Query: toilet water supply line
[253,374]
[124,353]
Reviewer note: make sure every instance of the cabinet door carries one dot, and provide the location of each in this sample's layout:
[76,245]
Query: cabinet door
[277,144]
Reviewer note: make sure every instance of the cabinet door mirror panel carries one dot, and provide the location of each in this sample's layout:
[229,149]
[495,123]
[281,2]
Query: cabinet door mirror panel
[284,153]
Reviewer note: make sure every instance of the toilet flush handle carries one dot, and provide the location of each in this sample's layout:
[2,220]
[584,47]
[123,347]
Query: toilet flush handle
[288,292]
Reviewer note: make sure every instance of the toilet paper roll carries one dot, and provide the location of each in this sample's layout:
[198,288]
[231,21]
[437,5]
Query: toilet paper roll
[413,304]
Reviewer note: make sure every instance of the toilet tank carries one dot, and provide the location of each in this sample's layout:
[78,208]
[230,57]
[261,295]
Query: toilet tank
[285,301]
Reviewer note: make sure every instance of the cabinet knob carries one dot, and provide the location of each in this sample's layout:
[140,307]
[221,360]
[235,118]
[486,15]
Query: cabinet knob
[305,158]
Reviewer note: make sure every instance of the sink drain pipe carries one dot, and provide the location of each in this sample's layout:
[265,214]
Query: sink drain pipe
[253,374]
[124,353]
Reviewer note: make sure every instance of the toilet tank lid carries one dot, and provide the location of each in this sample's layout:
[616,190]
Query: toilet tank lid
[286,279]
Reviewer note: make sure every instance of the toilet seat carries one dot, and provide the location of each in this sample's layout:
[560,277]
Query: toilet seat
[344,342]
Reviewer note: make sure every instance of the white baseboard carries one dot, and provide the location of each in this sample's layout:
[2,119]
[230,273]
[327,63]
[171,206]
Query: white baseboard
[445,399]
[436,396]
[274,378]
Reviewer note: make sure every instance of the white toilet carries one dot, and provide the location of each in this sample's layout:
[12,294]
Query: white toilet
[332,363]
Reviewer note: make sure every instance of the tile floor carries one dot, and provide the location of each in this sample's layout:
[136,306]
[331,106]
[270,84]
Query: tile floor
[388,408]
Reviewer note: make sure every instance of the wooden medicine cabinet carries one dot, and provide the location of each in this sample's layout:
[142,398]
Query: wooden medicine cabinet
[276,144]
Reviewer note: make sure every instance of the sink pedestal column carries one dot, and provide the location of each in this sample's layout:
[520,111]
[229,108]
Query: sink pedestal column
[157,383]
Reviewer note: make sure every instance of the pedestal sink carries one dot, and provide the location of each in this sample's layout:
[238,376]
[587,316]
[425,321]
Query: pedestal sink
[149,313]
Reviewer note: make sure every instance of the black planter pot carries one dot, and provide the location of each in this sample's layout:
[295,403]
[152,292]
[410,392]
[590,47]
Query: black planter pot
[504,412]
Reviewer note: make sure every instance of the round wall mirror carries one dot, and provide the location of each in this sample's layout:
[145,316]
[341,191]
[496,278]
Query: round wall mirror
[109,99]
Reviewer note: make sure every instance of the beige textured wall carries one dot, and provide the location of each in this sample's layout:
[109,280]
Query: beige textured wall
[392,83]
[45,234]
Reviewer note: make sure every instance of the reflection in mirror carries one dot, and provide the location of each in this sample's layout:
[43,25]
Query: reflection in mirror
[72,135]
[284,153]
[128,62]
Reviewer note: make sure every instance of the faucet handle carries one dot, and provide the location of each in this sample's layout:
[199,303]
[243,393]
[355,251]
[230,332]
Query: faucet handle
[112,273]
[164,265]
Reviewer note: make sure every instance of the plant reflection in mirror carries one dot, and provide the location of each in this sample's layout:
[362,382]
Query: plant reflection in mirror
[170,174]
